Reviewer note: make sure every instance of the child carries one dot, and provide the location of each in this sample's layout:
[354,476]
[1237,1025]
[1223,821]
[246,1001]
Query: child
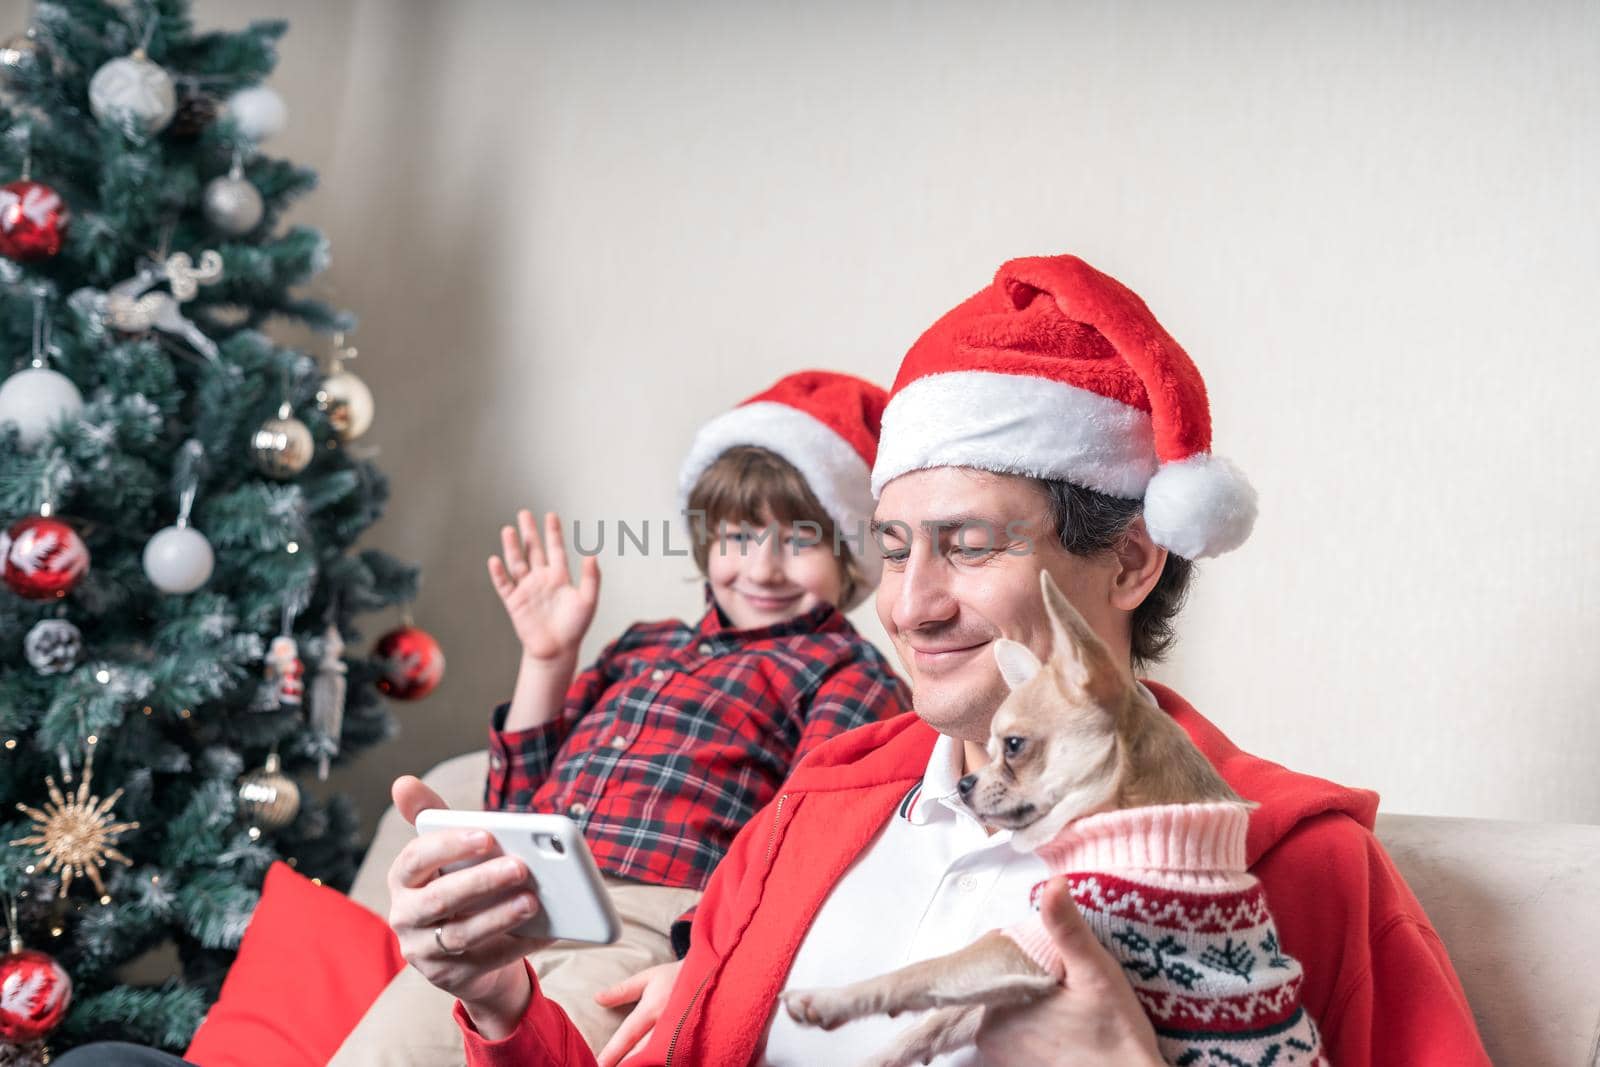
[665,746]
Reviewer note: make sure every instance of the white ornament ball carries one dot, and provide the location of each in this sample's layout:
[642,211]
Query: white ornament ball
[259,113]
[136,89]
[36,399]
[233,205]
[178,559]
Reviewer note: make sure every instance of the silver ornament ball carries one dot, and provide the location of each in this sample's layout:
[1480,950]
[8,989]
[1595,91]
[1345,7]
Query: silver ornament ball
[53,646]
[268,798]
[233,205]
[133,89]
[282,448]
[178,560]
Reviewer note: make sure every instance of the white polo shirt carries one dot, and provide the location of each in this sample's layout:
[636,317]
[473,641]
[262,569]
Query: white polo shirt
[931,882]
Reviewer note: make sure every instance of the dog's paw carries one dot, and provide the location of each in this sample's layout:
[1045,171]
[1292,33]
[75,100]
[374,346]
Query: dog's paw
[824,1008]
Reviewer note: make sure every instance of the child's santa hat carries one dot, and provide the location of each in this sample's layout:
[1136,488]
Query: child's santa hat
[826,426]
[1058,371]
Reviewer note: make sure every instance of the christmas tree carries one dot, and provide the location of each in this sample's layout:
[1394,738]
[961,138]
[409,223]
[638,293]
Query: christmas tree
[181,499]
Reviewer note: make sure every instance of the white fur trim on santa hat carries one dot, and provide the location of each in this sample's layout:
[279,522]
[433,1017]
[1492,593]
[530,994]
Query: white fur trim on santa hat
[1015,424]
[832,468]
[1200,506]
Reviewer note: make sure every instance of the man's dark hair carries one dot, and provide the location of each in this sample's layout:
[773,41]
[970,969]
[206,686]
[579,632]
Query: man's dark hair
[1090,523]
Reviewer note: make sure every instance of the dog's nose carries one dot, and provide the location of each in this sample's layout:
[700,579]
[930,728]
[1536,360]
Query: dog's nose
[965,785]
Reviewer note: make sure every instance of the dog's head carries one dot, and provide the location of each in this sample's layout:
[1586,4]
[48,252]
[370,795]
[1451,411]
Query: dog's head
[1053,741]
[1076,736]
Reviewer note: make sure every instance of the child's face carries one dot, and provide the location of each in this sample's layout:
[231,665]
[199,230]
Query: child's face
[764,573]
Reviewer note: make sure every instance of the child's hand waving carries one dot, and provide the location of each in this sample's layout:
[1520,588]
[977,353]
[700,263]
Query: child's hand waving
[549,612]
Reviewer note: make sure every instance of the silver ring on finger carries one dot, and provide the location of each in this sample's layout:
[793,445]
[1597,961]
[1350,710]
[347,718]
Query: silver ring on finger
[438,939]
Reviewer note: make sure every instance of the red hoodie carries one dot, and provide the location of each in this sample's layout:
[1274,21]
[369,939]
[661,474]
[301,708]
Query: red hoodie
[1377,978]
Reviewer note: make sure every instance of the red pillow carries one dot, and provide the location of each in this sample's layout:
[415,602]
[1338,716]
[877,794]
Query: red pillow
[310,964]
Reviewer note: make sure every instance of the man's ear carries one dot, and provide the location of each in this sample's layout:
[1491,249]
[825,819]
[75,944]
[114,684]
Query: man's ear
[1076,651]
[1018,664]
[1140,562]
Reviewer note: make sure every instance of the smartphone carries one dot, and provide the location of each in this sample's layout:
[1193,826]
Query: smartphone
[573,902]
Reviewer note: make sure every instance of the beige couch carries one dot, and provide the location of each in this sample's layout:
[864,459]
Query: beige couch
[1518,905]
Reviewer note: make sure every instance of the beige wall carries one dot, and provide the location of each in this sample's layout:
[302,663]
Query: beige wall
[576,230]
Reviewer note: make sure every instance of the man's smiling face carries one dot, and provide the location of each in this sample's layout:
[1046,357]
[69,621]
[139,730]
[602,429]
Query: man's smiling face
[962,554]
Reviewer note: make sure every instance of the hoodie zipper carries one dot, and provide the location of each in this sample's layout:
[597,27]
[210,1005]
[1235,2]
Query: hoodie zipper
[672,1046]
[772,839]
[777,817]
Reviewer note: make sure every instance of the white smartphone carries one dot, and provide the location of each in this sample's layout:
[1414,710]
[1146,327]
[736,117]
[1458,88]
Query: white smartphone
[573,902]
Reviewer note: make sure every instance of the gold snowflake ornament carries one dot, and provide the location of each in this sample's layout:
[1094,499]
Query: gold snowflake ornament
[76,835]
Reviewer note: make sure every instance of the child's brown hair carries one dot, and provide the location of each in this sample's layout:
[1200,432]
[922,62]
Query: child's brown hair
[753,485]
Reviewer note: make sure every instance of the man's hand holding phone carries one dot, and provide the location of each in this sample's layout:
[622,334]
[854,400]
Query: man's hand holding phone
[457,929]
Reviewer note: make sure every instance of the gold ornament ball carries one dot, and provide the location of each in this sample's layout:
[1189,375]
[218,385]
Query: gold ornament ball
[348,404]
[268,798]
[282,447]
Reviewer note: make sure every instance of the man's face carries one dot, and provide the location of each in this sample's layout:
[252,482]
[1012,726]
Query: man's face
[963,550]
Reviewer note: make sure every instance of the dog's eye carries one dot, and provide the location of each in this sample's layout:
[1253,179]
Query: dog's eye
[1014,745]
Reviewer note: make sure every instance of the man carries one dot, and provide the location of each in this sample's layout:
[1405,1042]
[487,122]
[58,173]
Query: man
[1048,422]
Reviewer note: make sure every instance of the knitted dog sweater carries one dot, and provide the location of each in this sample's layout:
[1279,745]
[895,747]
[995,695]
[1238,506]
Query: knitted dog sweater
[1165,890]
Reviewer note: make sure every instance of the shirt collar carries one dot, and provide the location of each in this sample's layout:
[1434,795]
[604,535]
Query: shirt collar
[936,795]
[714,623]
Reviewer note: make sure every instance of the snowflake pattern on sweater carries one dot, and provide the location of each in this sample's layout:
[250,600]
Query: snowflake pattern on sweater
[1165,890]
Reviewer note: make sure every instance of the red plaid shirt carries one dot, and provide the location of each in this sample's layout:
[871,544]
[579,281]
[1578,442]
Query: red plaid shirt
[677,735]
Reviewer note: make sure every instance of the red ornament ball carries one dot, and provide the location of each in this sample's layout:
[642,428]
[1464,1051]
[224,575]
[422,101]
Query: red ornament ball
[33,221]
[35,994]
[410,663]
[43,557]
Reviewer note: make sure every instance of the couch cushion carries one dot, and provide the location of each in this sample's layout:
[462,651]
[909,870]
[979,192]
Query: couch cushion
[1514,904]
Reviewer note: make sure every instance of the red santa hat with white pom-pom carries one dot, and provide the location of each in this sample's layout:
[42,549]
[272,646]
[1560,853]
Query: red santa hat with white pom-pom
[1059,371]
[826,425]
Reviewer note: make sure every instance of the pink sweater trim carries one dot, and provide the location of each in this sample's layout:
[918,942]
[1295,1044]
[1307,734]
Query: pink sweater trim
[1193,839]
[1032,938]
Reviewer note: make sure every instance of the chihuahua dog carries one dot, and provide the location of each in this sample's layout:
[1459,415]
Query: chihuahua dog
[1076,736]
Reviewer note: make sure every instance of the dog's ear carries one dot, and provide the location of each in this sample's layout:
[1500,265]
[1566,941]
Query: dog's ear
[1017,662]
[1076,651]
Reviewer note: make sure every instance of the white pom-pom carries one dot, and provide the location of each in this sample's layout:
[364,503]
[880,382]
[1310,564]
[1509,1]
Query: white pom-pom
[259,113]
[1200,506]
